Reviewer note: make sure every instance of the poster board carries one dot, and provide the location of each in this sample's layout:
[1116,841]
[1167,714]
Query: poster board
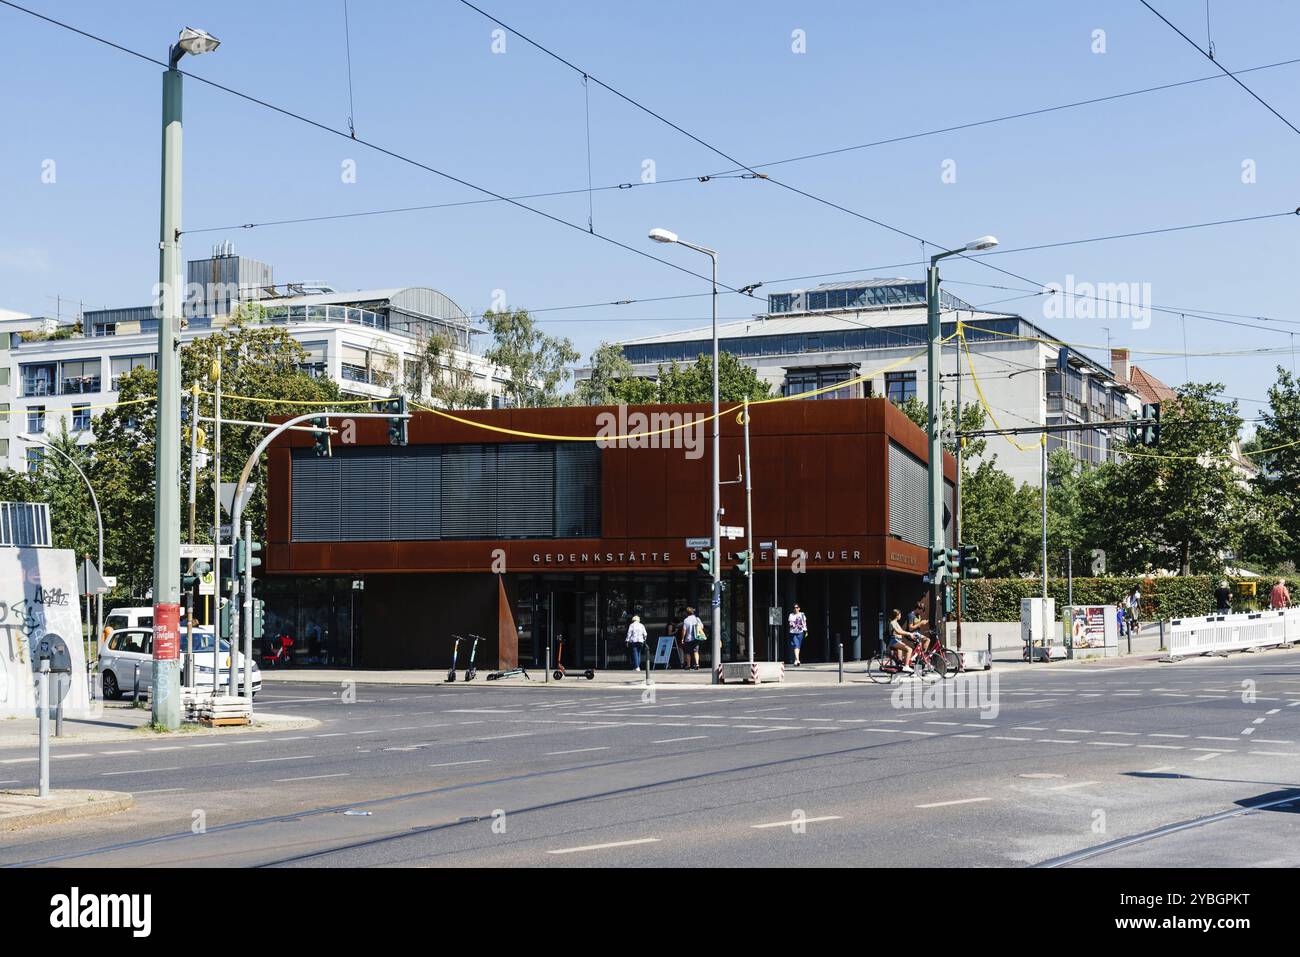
[1093,628]
[38,598]
[664,650]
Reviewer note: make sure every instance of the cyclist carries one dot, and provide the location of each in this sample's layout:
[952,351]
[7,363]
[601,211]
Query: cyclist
[901,642]
[917,623]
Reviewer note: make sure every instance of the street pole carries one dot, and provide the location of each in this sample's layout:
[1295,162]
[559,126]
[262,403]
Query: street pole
[1043,460]
[934,465]
[248,618]
[165,698]
[215,375]
[193,492]
[956,504]
[749,534]
[775,627]
[715,645]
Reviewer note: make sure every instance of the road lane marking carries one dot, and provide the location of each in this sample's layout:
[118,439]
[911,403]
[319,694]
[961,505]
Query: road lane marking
[452,764]
[132,751]
[1248,731]
[793,821]
[1276,754]
[292,757]
[693,737]
[311,777]
[1068,787]
[1111,744]
[137,771]
[1041,775]
[577,751]
[80,754]
[1206,737]
[601,847]
[1208,757]
[1258,721]
[1130,734]
[1163,747]
[951,803]
[1157,735]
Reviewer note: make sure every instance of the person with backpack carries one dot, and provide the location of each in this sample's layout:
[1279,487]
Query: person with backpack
[692,636]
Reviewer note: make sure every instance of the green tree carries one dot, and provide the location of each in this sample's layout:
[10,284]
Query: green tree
[1001,519]
[694,383]
[442,373]
[538,364]
[1274,535]
[972,420]
[261,378]
[610,379]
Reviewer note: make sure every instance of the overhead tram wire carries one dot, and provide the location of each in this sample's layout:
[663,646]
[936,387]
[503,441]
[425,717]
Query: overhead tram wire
[392,154]
[1210,56]
[347,38]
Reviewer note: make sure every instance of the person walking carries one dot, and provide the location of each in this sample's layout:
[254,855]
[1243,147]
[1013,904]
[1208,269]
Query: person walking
[635,641]
[1279,597]
[692,634]
[1223,597]
[798,629]
[1132,605]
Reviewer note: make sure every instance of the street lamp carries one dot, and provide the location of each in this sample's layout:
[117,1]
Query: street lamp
[167,457]
[715,645]
[99,523]
[934,468]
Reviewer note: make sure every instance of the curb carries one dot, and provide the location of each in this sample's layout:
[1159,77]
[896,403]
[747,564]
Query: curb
[264,723]
[76,805]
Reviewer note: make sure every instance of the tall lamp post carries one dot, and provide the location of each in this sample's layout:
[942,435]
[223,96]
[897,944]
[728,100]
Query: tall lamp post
[167,457]
[934,337]
[99,524]
[715,645]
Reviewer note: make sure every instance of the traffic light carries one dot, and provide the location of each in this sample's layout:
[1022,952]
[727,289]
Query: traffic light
[706,561]
[970,561]
[224,619]
[746,564]
[397,426]
[246,555]
[322,447]
[949,599]
[195,574]
[1151,430]
[954,562]
[1134,429]
[259,617]
[939,563]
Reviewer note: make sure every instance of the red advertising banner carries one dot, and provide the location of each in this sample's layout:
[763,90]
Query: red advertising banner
[166,632]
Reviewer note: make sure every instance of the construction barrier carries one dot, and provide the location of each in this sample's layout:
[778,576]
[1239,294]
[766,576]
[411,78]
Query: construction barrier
[1221,633]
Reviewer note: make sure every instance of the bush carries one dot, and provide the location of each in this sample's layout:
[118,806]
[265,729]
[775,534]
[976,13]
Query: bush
[998,599]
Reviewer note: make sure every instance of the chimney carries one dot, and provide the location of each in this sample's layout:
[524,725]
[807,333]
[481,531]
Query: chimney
[1119,365]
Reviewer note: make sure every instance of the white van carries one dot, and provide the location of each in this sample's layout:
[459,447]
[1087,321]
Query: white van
[132,618]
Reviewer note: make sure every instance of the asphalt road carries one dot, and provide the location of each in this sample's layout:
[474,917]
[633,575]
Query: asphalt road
[1186,764]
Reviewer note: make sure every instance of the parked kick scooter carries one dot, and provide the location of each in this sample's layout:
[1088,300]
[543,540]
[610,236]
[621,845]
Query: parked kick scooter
[559,671]
[455,649]
[471,671]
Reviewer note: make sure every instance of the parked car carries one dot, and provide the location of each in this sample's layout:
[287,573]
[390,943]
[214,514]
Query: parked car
[128,658]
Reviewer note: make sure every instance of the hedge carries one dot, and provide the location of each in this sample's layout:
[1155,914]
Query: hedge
[1164,597]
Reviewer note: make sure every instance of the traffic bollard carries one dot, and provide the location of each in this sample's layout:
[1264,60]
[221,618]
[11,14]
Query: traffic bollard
[135,685]
[546,672]
[43,717]
[841,663]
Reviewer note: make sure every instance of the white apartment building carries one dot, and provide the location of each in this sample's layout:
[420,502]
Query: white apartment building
[814,338]
[366,341]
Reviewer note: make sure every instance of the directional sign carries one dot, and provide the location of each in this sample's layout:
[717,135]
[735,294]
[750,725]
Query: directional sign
[92,583]
[191,552]
[732,531]
[699,542]
[228,495]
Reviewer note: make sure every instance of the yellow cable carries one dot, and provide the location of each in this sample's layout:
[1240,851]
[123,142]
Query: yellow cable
[970,361]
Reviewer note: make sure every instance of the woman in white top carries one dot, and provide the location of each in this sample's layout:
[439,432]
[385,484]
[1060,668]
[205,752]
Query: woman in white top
[635,641]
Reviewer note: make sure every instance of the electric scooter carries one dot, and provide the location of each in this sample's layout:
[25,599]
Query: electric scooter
[471,671]
[455,649]
[559,671]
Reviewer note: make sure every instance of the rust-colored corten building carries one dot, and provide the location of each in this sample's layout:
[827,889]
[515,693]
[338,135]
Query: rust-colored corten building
[377,555]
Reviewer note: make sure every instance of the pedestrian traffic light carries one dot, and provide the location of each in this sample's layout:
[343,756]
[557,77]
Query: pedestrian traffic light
[970,561]
[949,599]
[706,562]
[195,574]
[397,426]
[224,619]
[1151,428]
[322,447]
[259,617]
[246,555]
[746,564]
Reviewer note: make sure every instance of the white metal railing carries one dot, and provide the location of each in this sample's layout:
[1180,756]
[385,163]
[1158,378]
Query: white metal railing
[1258,629]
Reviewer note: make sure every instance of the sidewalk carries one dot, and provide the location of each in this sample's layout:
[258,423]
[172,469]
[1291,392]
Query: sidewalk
[22,808]
[809,675]
[121,722]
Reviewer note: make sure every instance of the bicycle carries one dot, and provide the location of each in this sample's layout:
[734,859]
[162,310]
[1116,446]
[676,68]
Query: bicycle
[883,667]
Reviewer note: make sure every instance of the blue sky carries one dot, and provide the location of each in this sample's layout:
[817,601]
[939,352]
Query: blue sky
[427,84]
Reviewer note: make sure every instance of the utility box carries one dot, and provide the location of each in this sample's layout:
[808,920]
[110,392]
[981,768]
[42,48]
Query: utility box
[1037,625]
